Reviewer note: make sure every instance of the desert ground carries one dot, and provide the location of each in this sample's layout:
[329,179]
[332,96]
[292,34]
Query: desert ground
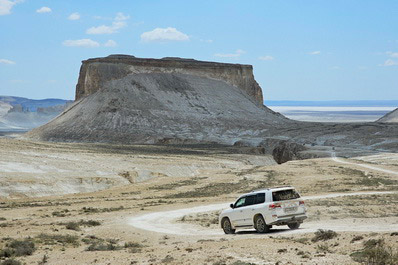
[158,204]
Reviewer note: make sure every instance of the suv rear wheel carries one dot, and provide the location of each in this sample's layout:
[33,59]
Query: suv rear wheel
[293,225]
[260,224]
[227,227]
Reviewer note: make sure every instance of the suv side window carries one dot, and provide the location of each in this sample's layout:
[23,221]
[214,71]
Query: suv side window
[240,202]
[260,198]
[250,200]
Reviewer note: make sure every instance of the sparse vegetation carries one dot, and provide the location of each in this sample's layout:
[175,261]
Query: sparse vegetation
[44,260]
[101,246]
[17,248]
[54,239]
[73,226]
[356,238]
[101,210]
[375,252]
[204,219]
[212,190]
[10,262]
[61,213]
[76,225]
[325,248]
[323,235]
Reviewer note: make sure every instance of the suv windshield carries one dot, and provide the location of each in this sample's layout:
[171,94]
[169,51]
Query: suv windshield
[283,195]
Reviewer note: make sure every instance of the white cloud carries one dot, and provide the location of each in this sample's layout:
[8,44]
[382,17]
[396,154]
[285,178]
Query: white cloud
[393,54]
[5,61]
[164,34]
[74,16]
[88,43]
[230,55]
[44,9]
[390,62]
[121,17]
[315,53]
[110,43]
[7,5]
[266,58]
[118,23]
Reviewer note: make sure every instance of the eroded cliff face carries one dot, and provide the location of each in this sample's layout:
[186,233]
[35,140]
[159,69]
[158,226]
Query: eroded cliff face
[96,72]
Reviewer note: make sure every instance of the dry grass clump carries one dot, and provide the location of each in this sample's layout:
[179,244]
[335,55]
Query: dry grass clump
[323,235]
[375,252]
[54,239]
[10,262]
[17,248]
[76,225]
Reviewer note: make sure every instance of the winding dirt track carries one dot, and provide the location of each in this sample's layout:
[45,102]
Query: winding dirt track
[166,221]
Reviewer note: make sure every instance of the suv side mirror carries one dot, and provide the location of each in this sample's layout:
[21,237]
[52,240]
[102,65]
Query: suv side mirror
[231,205]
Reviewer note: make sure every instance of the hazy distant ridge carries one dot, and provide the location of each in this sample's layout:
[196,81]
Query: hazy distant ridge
[33,104]
[334,103]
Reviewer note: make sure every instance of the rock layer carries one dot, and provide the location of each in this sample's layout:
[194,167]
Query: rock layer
[95,72]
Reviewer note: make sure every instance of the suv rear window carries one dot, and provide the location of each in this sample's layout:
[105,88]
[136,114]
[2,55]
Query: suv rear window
[283,195]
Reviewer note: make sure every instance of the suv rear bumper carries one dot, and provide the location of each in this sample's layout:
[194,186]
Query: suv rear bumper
[284,220]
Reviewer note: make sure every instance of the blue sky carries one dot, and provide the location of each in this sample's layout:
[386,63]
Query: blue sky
[300,49]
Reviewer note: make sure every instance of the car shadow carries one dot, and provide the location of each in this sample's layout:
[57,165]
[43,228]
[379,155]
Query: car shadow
[271,232]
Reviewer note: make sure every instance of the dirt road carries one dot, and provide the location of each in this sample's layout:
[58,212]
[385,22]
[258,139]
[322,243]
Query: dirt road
[165,222]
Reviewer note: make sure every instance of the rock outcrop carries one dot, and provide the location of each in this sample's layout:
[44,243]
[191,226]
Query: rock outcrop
[390,117]
[123,99]
[95,72]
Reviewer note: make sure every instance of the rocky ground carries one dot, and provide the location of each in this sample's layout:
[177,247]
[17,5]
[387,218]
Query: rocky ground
[98,227]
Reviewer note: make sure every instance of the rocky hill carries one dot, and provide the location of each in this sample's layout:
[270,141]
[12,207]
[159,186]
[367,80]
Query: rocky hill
[18,113]
[132,100]
[390,117]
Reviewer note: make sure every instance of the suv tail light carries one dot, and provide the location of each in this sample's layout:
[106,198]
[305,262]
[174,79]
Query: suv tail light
[301,203]
[274,205]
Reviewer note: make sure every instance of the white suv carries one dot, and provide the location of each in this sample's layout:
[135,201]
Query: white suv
[262,209]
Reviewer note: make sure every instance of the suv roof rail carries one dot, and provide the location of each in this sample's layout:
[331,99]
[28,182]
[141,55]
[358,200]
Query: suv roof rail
[272,188]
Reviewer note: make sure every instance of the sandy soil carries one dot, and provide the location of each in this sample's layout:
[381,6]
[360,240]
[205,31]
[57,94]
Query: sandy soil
[104,225]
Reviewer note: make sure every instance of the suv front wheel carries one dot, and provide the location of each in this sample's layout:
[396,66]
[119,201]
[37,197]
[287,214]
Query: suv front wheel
[260,224]
[227,227]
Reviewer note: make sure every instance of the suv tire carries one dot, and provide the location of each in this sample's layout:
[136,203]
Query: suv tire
[260,225]
[293,225]
[227,227]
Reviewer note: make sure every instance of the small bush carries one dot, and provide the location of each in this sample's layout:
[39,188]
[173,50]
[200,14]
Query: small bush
[356,238]
[103,247]
[6,253]
[10,262]
[323,248]
[376,253]
[90,223]
[61,213]
[323,235]
[133,247]
[22,247]
[72,226]
[2,219]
